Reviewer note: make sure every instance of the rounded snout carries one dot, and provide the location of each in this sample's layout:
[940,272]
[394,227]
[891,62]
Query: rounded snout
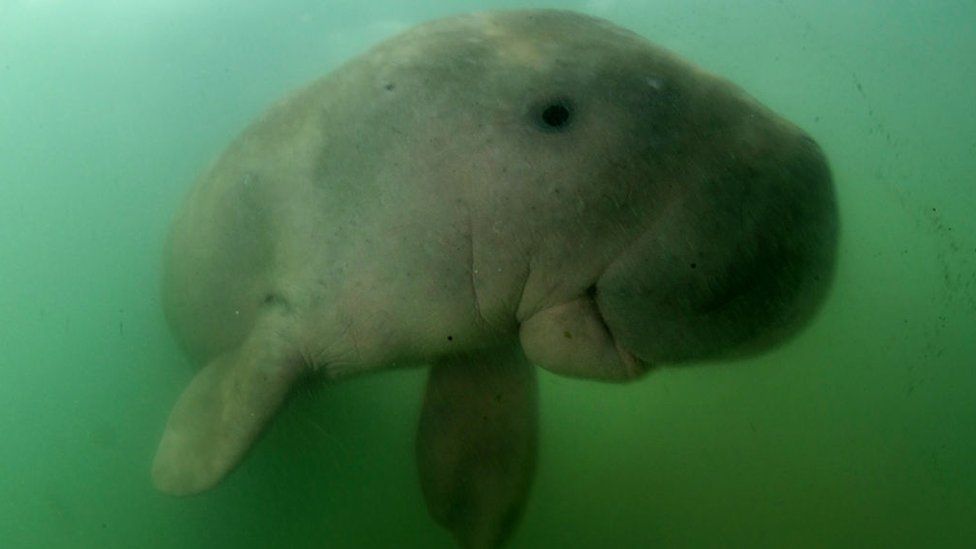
[738,261]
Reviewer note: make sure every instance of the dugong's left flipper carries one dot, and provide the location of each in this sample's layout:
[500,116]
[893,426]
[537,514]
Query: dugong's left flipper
[476,445]
[224,409]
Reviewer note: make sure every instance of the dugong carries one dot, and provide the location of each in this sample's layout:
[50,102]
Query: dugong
[484,194]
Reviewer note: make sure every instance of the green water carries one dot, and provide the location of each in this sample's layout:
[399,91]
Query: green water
[859,433]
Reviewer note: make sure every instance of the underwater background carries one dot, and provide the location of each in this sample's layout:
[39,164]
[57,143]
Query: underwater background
[861,432]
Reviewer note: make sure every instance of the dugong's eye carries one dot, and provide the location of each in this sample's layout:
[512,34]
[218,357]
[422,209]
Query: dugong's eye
[553,115]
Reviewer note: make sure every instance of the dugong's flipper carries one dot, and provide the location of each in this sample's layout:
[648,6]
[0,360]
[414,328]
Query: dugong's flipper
[476,445]
[224,409]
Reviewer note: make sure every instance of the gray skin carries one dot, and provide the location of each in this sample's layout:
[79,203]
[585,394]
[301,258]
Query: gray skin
[482,194]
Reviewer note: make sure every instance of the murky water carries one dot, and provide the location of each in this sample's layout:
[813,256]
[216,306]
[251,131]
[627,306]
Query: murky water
[860,432]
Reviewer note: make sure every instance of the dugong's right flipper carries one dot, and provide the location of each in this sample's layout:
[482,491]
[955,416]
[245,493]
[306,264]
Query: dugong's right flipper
[476,445]
[225,408]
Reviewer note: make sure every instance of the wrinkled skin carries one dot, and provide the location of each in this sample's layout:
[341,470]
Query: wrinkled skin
[486,194]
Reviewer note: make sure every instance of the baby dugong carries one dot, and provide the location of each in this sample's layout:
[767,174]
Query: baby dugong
[484,194]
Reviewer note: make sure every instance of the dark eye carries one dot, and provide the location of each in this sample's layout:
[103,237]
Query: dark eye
[554,115]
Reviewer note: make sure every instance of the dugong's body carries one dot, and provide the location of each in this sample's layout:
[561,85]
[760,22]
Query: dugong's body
[482,194]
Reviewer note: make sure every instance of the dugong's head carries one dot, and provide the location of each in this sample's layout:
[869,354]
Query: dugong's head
[615,191]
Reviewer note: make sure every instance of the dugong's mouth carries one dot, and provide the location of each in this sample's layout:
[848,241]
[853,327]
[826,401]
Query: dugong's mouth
[634,366]
[573,339]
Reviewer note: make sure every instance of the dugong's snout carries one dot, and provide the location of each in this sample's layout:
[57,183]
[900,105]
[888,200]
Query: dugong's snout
[740,258]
